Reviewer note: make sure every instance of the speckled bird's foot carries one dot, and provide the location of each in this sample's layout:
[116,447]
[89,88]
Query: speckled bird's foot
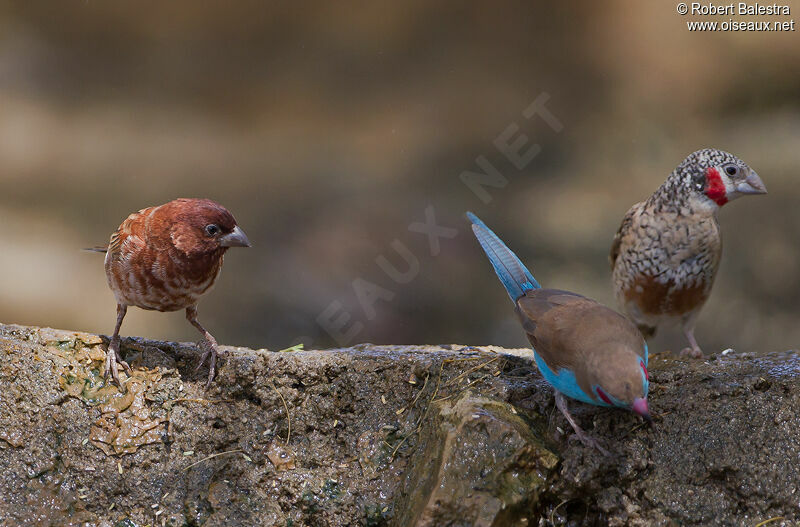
[692,353]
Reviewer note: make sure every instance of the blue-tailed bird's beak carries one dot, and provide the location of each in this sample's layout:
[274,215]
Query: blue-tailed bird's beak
[639,406]
[235,238]
[752,184]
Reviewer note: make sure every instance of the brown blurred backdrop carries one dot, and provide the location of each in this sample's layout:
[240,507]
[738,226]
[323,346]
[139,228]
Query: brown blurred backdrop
[328,129]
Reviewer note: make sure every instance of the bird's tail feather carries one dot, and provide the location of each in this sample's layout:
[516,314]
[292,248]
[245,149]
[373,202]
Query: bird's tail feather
[96,249]
[512,273]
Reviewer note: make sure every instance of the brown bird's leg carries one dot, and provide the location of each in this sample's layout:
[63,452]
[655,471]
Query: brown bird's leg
[694,350]
[561,403]
[113,355]
[211,349]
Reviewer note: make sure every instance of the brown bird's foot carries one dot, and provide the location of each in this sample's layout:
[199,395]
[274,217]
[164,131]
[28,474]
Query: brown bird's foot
[692,353]
[590,442]
[113,354]
[113,360]
[209,344]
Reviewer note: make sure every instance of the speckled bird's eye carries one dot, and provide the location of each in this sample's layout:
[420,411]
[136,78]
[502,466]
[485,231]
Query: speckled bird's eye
[699,180]
[731,170]
[212,229]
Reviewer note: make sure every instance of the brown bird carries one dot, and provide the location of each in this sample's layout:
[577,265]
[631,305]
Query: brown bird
[666,253]
[164,259]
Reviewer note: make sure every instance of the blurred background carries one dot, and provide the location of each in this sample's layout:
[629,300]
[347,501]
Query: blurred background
[328,130]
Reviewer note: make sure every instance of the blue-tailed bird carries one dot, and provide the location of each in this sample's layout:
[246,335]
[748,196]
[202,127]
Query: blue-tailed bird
[584,349]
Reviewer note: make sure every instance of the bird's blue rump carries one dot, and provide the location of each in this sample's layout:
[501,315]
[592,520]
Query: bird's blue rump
[512,273]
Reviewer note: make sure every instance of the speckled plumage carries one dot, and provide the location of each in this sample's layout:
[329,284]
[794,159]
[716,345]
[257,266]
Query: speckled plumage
[165,258]
[667,250]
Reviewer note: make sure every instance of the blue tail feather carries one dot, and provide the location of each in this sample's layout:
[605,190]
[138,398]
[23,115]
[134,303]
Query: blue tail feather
[512,273]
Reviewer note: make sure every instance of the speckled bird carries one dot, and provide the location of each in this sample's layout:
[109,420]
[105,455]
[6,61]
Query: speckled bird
[584,349]
[666,253]
[165,258]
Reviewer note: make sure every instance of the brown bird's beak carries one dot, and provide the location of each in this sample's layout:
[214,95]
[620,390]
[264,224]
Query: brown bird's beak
[235,238]
[639,407]
[752,184]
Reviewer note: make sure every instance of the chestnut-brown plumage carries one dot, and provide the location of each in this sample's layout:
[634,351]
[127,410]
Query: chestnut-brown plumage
[165,258]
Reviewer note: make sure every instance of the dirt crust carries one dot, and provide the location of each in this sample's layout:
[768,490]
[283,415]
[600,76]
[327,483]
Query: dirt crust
[383,436]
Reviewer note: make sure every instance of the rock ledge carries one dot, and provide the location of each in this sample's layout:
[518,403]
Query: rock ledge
[382,435]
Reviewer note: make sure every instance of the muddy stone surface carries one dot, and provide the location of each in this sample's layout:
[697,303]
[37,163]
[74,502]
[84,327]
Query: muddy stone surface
[383,436]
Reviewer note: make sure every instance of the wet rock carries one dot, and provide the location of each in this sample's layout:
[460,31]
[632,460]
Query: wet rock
[383,435]
[478,463]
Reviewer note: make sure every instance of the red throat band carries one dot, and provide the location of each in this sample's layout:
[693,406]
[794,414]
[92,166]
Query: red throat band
[715,189]
[603,396]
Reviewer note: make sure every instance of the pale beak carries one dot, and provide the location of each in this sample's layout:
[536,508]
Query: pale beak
[639,406]
[752,184]
[235,238]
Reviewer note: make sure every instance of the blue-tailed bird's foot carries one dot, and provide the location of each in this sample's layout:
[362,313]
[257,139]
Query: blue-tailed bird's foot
[588,441]
[561,403]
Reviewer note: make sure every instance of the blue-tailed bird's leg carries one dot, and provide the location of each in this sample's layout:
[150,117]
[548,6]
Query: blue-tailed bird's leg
[113,355]
[694,350]
[561,403]
[211,345]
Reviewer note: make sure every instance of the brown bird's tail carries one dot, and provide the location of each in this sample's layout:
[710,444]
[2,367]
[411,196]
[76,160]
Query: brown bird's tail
[96,249]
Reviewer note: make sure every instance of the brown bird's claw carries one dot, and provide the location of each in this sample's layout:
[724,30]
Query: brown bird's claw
[692,353]
[111,366]
[210,346]
[122,363]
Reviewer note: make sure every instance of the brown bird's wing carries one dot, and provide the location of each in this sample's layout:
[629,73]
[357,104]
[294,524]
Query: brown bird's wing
[627,220]
[115,244]
[131,234]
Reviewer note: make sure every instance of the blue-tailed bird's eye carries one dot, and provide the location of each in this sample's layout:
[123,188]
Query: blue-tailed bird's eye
[212,230]
[731,170]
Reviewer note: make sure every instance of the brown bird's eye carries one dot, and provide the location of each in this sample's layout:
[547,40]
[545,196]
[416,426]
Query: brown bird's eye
[731,170]
[212,230]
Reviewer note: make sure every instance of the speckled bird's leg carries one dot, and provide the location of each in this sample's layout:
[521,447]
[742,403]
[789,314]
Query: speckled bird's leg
[211,345]
[561,403]
[113,355]
[694,350]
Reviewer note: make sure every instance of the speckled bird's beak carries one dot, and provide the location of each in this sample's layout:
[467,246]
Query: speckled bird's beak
[752,184]
[235,238]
